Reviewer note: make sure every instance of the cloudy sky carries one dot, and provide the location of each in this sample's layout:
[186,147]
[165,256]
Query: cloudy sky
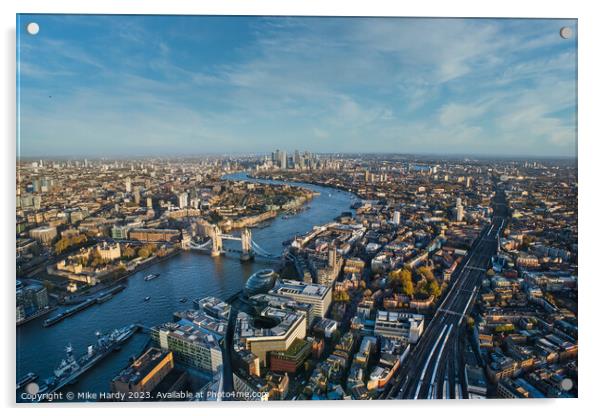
[141,85]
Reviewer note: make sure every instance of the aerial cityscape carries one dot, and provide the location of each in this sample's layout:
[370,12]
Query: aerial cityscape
[229,250]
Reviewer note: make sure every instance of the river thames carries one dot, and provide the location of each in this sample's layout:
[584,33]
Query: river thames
[188,275]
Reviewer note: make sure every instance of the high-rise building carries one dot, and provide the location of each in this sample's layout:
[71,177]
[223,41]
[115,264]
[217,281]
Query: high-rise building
[318,296]
[459,210]
[190,346]
[290,326]
[183,200]
[332,256]
[283,159]
[396,217]
[128,184]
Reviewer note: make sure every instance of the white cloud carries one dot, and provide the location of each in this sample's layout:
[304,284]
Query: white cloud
[394,84]
[453,114]
[320,134]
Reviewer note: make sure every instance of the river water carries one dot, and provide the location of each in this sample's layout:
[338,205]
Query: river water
[187,275]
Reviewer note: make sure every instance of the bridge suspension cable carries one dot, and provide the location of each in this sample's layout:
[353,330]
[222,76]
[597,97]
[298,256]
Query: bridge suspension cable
[204,246]
[262,252]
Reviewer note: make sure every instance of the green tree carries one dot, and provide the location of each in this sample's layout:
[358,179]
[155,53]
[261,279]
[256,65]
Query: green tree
[432,288]
[146,250]
[407,285]
[426,288]
[143,252]
[426,272]
[342,296]
[394,280]
[65,242]
[60,245]
[129,252]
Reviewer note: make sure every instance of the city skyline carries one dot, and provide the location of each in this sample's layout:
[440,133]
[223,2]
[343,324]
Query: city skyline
[409,156]
[296,278]
[198,84]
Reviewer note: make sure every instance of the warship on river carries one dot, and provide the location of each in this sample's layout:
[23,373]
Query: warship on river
[70,367]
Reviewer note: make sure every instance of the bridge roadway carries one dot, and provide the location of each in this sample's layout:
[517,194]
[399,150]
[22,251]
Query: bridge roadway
[434,368]
[256,249]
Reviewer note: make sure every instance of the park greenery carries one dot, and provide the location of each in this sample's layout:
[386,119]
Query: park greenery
[146,250]
[420,282]
[65,242]
[341,296]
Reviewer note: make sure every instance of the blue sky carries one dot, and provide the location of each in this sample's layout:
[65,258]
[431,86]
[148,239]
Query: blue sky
[105,86]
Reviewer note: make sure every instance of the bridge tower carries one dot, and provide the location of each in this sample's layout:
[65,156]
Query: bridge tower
[216,241]
[245,241]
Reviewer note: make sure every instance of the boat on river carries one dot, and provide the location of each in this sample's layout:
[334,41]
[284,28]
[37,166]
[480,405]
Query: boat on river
[71,367]
[151,276]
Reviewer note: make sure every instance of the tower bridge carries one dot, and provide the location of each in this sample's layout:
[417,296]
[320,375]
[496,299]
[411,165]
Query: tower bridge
[249,249]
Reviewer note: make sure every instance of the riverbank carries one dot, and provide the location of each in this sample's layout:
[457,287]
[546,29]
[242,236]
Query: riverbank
[293,181]
[255,220]
[249,221]
[117,280]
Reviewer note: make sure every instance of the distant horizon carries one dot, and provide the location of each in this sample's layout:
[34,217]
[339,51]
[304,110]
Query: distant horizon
[125,85]
[441,156]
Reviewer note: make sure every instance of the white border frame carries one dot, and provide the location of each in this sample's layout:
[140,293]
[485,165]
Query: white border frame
[588,155]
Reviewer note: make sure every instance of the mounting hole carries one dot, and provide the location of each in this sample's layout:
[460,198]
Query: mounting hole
[32,388]
[566,384]
[565,32]
[33,28]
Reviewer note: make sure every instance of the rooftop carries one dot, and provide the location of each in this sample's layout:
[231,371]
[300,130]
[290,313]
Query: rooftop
[142,366]
[297,288]
[246,326]
[187,331]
